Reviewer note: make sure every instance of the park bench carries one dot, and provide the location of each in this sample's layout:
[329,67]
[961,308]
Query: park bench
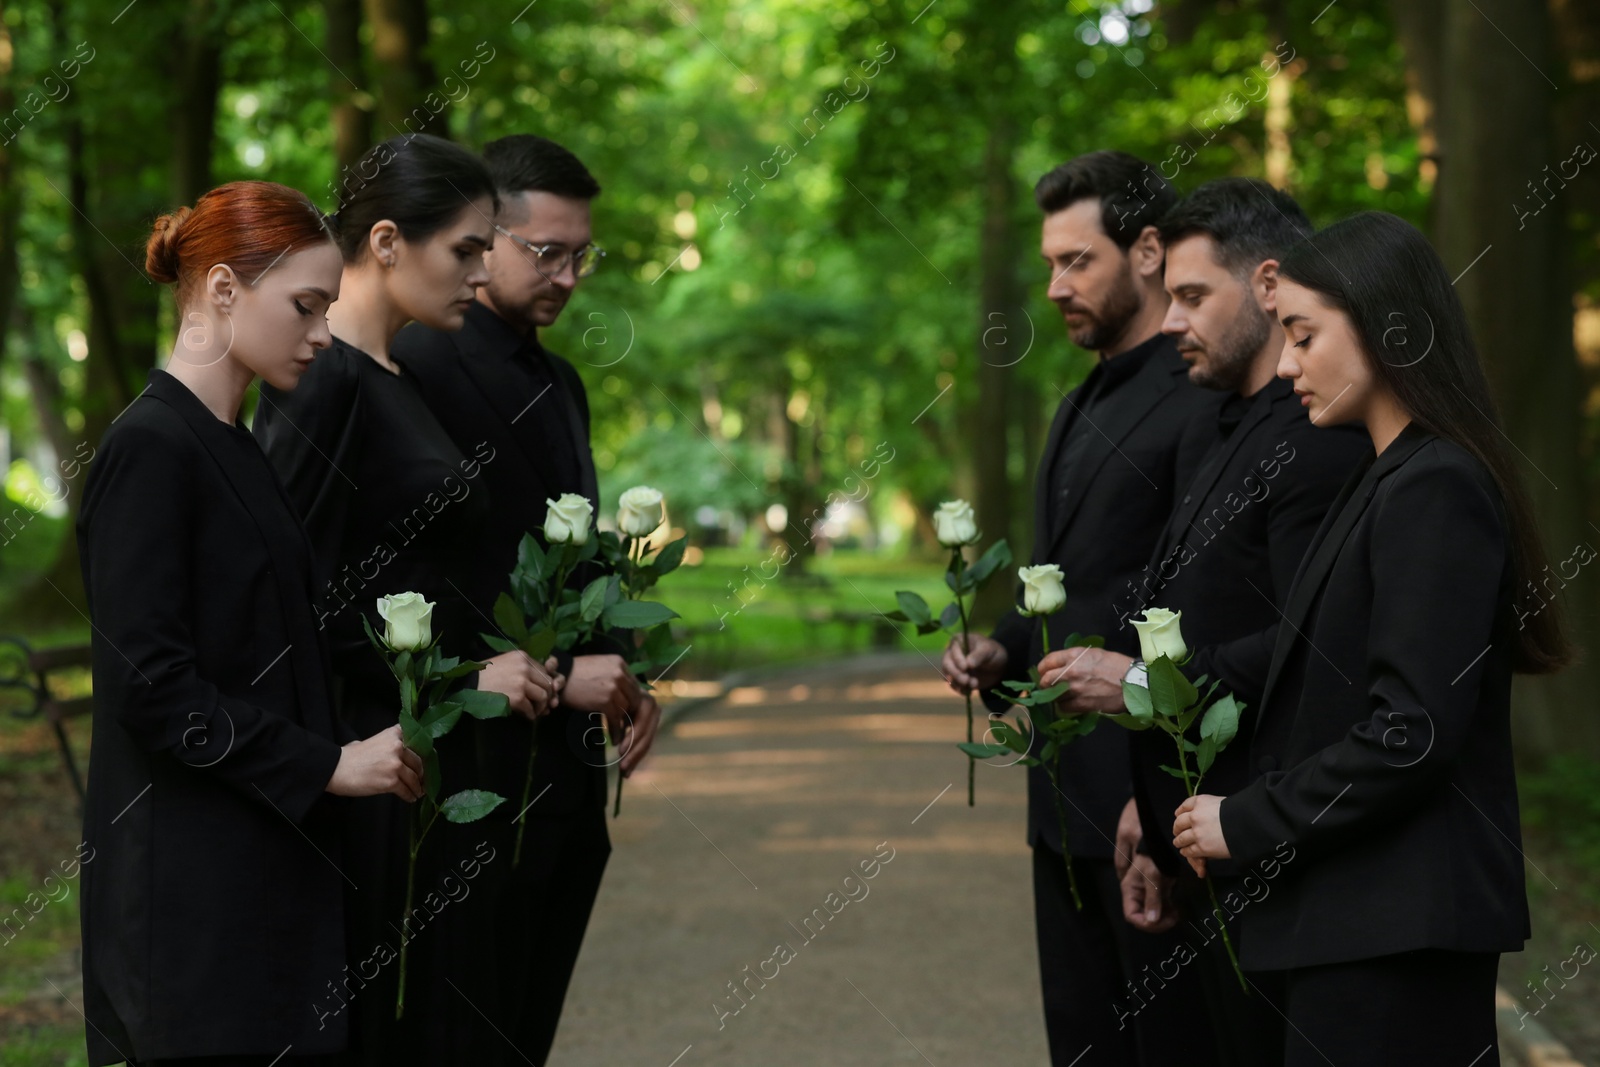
[31,671]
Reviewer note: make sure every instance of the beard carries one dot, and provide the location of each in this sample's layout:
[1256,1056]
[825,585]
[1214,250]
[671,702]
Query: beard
[1106,325]
[1228,360]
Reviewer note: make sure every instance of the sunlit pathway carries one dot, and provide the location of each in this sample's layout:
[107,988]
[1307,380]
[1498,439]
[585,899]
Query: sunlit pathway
[752,812]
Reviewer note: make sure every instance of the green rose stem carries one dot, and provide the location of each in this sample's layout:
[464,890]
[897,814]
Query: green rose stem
[411,879]
[1192,785]
[533,740]
[1053,769]
[959,562]
[616,808]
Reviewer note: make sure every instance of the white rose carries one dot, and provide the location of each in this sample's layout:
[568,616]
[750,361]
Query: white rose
[639,511]
[407,621]
[1042,592]
[955,524]
[567,521]
[1159,635]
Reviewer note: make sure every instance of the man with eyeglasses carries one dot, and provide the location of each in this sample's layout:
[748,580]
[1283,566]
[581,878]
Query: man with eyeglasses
[493,381]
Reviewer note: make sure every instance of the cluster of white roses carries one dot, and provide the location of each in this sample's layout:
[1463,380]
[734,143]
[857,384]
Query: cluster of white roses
[567,522]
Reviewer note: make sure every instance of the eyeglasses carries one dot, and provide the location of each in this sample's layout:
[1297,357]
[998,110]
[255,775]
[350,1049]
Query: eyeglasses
[551,259]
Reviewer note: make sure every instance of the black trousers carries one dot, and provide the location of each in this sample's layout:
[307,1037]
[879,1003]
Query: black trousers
[1113,996]
[546,914]
[1429,1006]
[1246,1020]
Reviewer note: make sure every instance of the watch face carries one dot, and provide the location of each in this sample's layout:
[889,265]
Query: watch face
[1137,675]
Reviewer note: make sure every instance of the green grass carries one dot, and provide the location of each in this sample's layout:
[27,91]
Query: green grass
[771,612]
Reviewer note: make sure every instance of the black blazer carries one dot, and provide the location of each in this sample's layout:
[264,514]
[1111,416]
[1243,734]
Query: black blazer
[478,392]
[212,912]
[1384,735]
[1226,559]
[1123,493]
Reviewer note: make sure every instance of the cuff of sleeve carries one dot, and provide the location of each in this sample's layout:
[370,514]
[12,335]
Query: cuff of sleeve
[1246,838]
[322,759]
[564,658]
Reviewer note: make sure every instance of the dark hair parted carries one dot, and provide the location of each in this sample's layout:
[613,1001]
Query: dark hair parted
[1382,273]
[1132,193]
[1248,220]
[247,225]
[418,181]
[525,163]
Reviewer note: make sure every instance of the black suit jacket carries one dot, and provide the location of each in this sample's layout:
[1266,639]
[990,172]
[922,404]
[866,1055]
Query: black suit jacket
[1226,559]
[478,393]
[1121,496]
[212,912]
[1384,733]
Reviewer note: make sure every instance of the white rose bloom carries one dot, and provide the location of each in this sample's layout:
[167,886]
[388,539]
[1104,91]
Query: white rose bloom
[407,621]
[1159,635]
[567,521]
[1042,592]
[955,524]
[639,511]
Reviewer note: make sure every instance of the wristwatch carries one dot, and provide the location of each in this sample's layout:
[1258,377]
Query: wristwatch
[1137,675]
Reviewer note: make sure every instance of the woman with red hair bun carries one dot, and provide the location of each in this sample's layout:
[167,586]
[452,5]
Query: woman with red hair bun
[212,914]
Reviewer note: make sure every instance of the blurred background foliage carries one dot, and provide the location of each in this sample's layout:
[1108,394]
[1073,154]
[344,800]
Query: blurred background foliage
[821,239]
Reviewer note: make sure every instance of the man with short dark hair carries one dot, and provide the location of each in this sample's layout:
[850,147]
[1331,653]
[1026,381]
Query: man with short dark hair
[1105,487]
[1225,559]
[493,380]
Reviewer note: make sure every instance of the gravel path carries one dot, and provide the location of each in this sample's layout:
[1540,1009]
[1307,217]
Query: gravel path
[758,813]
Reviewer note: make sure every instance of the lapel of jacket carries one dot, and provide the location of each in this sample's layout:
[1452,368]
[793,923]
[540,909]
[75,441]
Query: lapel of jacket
[296,601]
[486,368]
[1342,517]
[1155,380]
[1041,479]
[1196,494]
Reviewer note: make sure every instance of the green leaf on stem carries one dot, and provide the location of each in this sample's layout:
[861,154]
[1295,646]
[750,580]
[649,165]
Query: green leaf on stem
[470,805]
[509,618]
[950,617]
[914,607]
[982,751]
[637,614]
[669,557]
[1170,691]
[1205,755]
[996,557]
[1137,700]
[1221,722]
[441,718]
[593,599]
[539,643]
[483,704]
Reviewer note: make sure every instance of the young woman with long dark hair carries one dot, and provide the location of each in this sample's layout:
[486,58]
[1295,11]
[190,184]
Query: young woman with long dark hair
[1388,795]
[212,911]
[394,504]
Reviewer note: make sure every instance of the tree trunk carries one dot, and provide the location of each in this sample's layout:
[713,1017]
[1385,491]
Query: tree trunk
[10,196]
[1000,303]
[404,72]
[193,113]
[1496,135]
[352,104]
[1417,24]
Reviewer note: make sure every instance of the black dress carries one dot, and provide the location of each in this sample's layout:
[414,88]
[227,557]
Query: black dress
[392,505]
[212,874]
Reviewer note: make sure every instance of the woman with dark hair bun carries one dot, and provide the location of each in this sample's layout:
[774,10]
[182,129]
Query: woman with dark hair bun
[393,504]
[1388,793]
[212,911]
